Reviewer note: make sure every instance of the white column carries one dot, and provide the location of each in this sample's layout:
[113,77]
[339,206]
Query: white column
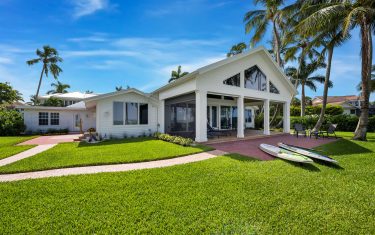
[286,117]
[161,114]
[241,117]
[201,116]
[266,119]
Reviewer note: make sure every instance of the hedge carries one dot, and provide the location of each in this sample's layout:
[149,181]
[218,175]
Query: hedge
[11,122]
[345,122]
[174,139]
[310,110]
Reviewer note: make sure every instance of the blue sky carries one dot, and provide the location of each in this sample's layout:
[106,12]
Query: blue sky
[109,43]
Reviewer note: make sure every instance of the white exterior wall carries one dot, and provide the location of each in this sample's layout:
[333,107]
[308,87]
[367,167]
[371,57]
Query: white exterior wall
[104,112]
[31,119]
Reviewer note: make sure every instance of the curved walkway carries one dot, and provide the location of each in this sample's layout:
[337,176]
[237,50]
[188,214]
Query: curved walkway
[26,154]
[111,168]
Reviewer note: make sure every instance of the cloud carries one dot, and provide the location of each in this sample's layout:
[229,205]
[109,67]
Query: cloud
[5,60]
[98,53]
[94,38]
[88,7]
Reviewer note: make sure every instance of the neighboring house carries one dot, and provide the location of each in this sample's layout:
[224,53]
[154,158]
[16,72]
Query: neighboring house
[350,103]
[222,94]
[68,98]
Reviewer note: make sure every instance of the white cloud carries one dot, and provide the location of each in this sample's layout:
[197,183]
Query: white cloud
[88,7]
[5,60]
[94,38]
[98,53]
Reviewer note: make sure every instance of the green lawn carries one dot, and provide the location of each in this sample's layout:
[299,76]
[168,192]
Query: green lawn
[224,195]
[108,152]
[8,148]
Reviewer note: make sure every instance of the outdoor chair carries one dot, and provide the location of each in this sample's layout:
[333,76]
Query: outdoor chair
[212,132]
[330,131]
[299,129]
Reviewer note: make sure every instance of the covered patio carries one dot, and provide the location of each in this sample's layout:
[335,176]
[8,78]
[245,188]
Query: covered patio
[250,147]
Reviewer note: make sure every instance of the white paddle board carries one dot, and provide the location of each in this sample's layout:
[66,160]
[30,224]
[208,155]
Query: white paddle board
[284,154]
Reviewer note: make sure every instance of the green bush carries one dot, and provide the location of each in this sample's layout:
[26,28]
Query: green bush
[344,122]
[11,122]
[295,111]
[311,110]
[174,139]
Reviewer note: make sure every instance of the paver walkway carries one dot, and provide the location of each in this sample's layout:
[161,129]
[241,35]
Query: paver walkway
[52,139]
[111,168]
[251,147]
[26,154]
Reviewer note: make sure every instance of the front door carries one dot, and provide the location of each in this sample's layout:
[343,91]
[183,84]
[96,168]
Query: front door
[77,122]
[249,121]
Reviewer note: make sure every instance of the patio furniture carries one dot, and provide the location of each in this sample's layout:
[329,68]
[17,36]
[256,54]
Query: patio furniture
[330,131]
[317,134]
[213,132]
[299,128]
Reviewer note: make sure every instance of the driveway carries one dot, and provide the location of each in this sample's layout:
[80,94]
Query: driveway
[53,139]
[251,147]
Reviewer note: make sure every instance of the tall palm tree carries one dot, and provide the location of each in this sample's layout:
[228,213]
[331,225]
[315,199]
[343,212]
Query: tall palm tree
[303,76]
[49,57]
[118,88]
[177,74]
[59,87]
[350,14]
[237,49]
[257,21]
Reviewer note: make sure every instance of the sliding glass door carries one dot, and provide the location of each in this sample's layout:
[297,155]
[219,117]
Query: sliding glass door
[225,117]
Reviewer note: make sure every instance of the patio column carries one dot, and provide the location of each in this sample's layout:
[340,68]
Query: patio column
[201,116]
[161,113]
[240,117]
[266,118]
[286,117]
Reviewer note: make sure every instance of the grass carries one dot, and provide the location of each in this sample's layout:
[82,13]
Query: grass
[108,152]
[8,145]
[224,195]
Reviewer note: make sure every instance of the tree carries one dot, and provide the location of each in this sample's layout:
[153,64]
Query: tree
[49,57]
[88,92]
[237,49]
[53,102]
[177,74]
[304,77]
[372,82]
[59,88]
[118,88]
[295,101]
[350,15]
[257,21]
[8,95]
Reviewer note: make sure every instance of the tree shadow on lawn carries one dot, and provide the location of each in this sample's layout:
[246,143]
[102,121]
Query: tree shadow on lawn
[342,147]
[240,157]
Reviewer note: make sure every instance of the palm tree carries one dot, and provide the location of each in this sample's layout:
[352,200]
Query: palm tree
[257,21]
[372,82]
[88,92]
[49,57]
[302,76]
[59,88]
[118,88]
[237,49]
[177,74]
[350,15]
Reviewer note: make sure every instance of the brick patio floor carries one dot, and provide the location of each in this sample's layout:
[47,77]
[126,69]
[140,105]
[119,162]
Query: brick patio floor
[251,147]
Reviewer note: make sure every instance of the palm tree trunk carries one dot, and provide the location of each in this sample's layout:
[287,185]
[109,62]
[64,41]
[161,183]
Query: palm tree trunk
[277,44]
[325,91]
[40,83]
[303,99]
[366,54]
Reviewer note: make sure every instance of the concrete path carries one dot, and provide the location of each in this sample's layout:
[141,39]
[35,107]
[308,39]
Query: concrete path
[26,154]
[111,168]
[52,139]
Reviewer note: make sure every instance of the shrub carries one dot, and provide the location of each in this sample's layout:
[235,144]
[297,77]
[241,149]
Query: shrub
[173,139]
[11,122]
[311,110]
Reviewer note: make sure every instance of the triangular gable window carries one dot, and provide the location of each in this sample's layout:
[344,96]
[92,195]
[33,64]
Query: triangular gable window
[273,89]
[255,79]
[233,81]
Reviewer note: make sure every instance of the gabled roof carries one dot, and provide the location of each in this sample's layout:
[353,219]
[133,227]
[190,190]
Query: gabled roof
[338,99]
[111,94]
[69,95]
[232,59]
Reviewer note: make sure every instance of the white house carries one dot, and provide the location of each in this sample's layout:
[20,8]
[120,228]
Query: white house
[222,95]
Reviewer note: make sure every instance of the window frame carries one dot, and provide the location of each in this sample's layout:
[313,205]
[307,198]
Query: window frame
[236,79]
[124,113]
[45,118]
[52,119]
[113,113]
[259,85]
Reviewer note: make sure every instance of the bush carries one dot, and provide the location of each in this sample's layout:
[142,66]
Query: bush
[174,139]
[311,110]
[344,122]
[11,122]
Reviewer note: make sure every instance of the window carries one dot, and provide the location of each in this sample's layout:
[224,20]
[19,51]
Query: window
[131,113]
[55,119]
[43,118]
[255,79]
[143,114]
[273,89]
[211,96]
[352,111]
[214,117]
[118,113]
[233,81]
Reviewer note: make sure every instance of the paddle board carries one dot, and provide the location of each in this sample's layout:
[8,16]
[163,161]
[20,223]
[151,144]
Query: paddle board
[306,152]
[284,154]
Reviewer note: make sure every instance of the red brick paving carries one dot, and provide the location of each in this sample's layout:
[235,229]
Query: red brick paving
[53,139]
[251,147]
